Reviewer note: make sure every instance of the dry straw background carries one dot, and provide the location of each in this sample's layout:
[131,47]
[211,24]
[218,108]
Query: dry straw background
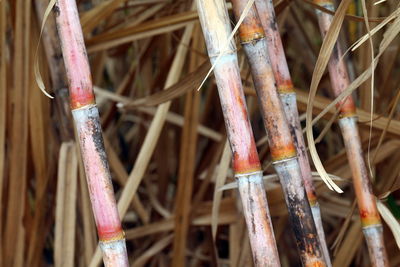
[166,141]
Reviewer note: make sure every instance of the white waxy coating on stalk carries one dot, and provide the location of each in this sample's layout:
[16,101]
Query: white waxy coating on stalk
[112,251]
[286,170]
[374,238]
[251,188]
[215,18]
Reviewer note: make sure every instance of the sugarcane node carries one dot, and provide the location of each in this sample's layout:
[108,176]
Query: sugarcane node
[312,198]
[285,87]
[246,165]
[110,234]
[80,98]
[279,153]
[229,51]
[251,37]
[347,108]
[369,218]
[251,32]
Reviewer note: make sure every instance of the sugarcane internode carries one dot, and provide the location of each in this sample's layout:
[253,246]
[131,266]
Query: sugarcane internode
[337,67]
[87,122]
[96,168]
[277,56]
[368,211]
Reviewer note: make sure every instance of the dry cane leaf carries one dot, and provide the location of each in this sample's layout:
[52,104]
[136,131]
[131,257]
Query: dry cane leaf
[390,220]
[320,66]
[38,76]
[219,182]
[177,90]
[273,177]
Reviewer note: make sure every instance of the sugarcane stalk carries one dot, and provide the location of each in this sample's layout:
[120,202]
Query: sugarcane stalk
[370,219]
[246,164]
[282,146]
[287,94]
[87,123]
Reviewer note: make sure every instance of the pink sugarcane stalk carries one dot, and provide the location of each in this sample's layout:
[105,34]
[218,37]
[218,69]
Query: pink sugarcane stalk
[216,30]
[370,219]
[287,94]
[86,118]
[282,146]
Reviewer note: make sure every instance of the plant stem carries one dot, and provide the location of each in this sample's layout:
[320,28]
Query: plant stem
[87,122]
[282,146]
[370,218]
[216,30]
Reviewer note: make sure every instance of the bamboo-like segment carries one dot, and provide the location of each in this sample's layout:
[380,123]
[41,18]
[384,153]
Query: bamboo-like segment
[370,219]
[216,30]
[280,140]
[287,94]
[87,122]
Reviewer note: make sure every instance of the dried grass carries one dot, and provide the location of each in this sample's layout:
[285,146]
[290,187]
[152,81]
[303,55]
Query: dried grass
[166,147]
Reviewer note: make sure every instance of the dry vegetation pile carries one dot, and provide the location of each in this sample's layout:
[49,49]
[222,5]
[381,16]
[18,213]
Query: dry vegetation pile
[166,141]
